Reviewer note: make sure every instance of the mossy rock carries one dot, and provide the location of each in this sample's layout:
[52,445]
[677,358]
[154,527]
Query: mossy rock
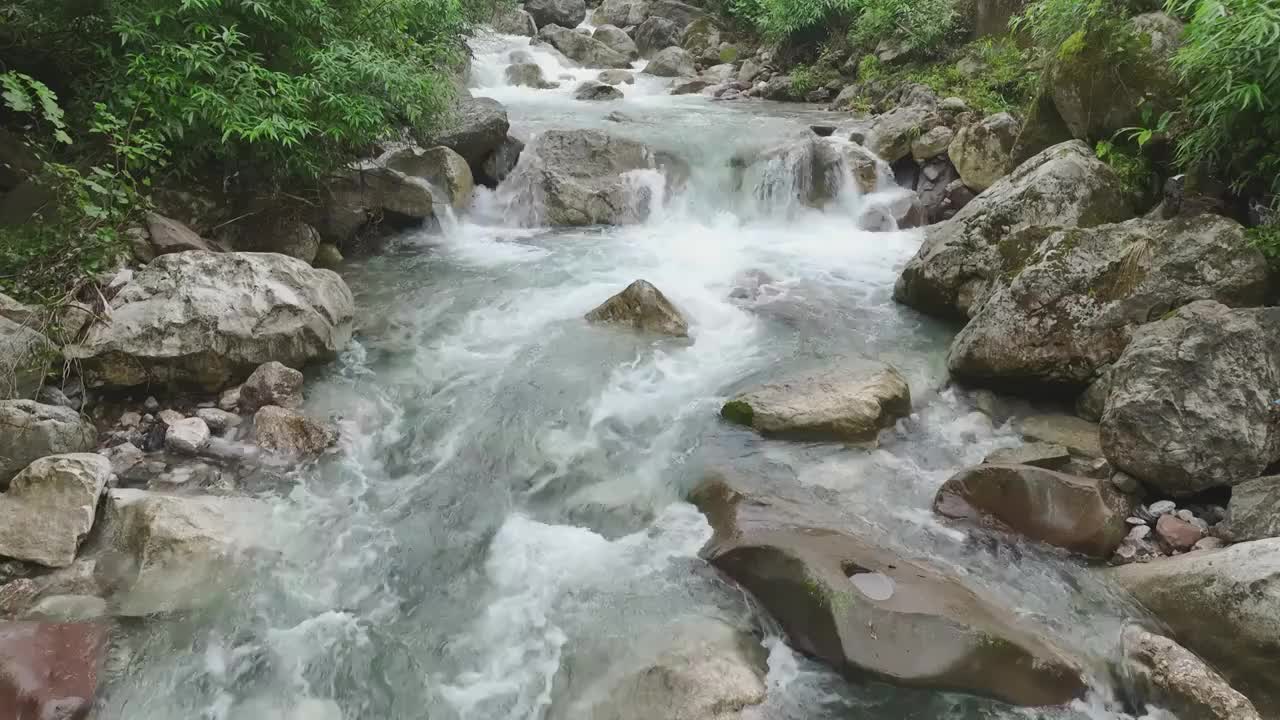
[729,54]
[738,411]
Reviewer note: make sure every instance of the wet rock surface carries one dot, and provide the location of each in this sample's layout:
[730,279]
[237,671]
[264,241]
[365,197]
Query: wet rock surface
[643,307]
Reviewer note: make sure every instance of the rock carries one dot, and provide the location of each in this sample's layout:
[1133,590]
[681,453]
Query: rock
[1209,543]
[932,143]
[780,88]
[952,274]
[445,170]
[169,417]
[656,34]
[1251,513]
[701,670]
[1139,532]
[643,307]
[272,383]
[690,87]
[1068,306]
[218,420]
[585,177]
[565,13]
[49,507]
[170,236]
[749,71]
[590,90]
[187,436]
[328,257]
[528,75]
[869,172]
[1039,454]
[208,319]
[513,21]
[49,671]
[1080,514]
[851,403]
[1173,677]
[1092,401]
[1192,403]
[616,77]
[622,13]
[1126,483]
[1177,533]
[229,399]
[25,355]
[1221,605]
[617,40]
[682,14]
[1093,101]
[291,433]
[893,133]
[500,162]
[171,553]
[353,193]
[583,48]
[866,609]
[1078,435]
[672,62]
[478,127]
[33,430]
[983,151]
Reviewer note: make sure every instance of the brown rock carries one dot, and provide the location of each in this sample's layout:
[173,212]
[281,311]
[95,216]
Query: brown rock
[643,307]
[1178,533]
[49,671]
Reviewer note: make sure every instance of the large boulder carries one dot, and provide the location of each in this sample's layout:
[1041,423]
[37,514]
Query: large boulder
[1172,677]
[444,170]
[582,48]
[478,126]
[682,14]
[656,34]
[1223,606]
[583,177]
[952,273]
[173,553]
[622,13]
[32,430]
[370,188]
[810,171]
[617,40]
[1093,98]
[49,670]
[208,319]
[1080,514]
[1252,512]
[864,608]
[891,134]
[982,151]
[25,356]
[1069,306]
[565,13]
[513,20]
[851,402]
[671,62]
[276,231]
[500,162]
[1193,402]
[643,307]
[49,508]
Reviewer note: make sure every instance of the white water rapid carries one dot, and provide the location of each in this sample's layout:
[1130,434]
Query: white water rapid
[505,526]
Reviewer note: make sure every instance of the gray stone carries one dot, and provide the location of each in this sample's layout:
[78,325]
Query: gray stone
[49,507]
[528,75]
[1139,532]
[1209,543]
[1173,677]
[932,143]
[500,162]
[892,133]
[287,432]
[444,170]
[982,152]
[123,457]
[1254,510]
[186,436]
[616,77]
[748,72]
[1126,482]
[1078,435]
[477,128]
[25,356]
[170,236]
[622,13]
[656,34]
[513,21]
[851,402]
[592,91]
[1192,403]
[671,62]
[955,269]
[208,319]
[271,383]
[566,13]
[30,430]
[617,40]
[643,307]
[169,417]
[218,420]
[1044,455]
[582,48]
[1068,307]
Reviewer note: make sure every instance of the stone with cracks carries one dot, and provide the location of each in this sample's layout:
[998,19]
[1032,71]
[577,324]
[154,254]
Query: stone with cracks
[206,320]
[566,13]
[355,192]
[30,430]
[865,609]
[1193,403]
[187,436]
[983,151]
[25,356]
[617,40]
[1173,677]
[271,383]
[582,48]
[289,432]
[671,62]
[643,307]
[851,402]
[1080,514]
[1251,512]
[953,272]
[656,34]
[477,127]
[49,507]
[892,134]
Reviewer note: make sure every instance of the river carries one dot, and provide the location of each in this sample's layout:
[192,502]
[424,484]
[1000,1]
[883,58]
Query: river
[505,523]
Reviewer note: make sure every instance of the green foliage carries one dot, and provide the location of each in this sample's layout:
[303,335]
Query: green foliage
[780,19]
[806,78]
[920,25]
[1132,168]
[1267,239]
[870,68]
[1068,25]
[1230,63]
[999,77]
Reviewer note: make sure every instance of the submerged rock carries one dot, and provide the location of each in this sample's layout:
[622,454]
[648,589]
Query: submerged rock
[1193,403]
[591,90]
[851,403]
[616,77]
[32,430]
[1221,605]
[50,506]
[1174,678]
[643,307]
[291,433]
[1080,514]
[952,274]
[208,319]
[863,608]
[529,75]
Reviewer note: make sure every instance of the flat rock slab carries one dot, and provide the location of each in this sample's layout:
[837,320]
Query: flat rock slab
[1049,456]
[851,403]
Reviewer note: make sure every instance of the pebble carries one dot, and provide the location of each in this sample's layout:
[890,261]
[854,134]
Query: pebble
[1209,543]
[1200,525]
[1185,514]
[151,404]
[1161,507]
[187,436]
[229,400]
[169,417]
[1139,532]
[130,419]
[1135,520]
[1177,533]
[218,420]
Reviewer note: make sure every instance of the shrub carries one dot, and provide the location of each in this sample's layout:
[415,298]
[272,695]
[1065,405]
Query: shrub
[920,25]
[1004,82]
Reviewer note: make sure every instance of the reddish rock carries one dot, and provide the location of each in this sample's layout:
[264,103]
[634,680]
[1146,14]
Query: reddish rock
[1178,533]
[49,670]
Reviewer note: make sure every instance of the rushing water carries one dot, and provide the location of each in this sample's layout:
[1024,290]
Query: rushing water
[505,525]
